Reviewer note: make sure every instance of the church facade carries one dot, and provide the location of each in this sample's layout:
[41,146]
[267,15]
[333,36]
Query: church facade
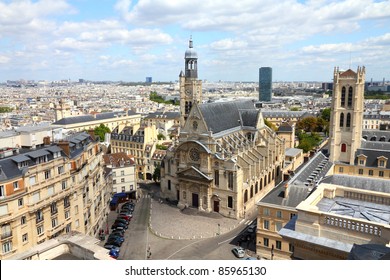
[225,159]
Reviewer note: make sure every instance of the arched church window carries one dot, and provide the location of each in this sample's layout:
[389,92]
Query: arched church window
[350,94]
[341,119]
[343,90]
[343,148]
[245,196]
[348,120]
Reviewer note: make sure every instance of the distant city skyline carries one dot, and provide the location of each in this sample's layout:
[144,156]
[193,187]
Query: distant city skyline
[128,40]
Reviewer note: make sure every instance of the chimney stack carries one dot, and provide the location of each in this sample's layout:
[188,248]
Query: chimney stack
[64,145]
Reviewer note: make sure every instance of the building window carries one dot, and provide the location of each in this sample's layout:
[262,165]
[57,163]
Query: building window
[341,169]
[381,173]
[266,242]
[292,215]
[60,169]
[63,184]
[123,189]
[230,180]
[23,220]
[2,191]
[169,185]
[265,211]
[350,97]
[20,202]
[278,245]
[114,181]
[122,173]
[370,172]
[24,237]
[278,226]
[245,196]
[66,202]
[343,148]
[68,228]
[76,209]
[265,224]
[341,119]
[39,216]
[348,120]
[16,185]
[361,161]
[343,90]
[216,177]
[47,174]
[122,180]
[184,195]
[251,192]
[279,214]
[40,230]
[230,202]
[53,208]
[290,247]
[7,247]
[32,180]
[67,214]
[381,163]
[361,171]
[256,187]
[54,222]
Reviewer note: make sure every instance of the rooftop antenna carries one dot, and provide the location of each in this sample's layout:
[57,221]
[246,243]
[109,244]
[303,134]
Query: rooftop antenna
[350,57]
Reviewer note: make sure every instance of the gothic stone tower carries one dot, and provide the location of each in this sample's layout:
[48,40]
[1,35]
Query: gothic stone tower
[190,86]
[347,114]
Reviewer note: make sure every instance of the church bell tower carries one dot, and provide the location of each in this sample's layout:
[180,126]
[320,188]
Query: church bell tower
[190,86]
[346,120]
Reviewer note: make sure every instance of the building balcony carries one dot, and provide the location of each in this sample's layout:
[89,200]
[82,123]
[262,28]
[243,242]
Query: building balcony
[55,230]
[39,220]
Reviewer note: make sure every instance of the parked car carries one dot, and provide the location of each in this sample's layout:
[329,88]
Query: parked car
[115,236]
[113,242]
[112,247]
[129,203]
[113,254]
[123,221]
[129,214]
[118,226]
[127,207]
[239,252]
[120,216]
[252,228]
[118,232]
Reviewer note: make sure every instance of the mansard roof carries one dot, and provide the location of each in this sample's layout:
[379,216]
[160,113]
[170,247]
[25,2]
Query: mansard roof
[220,116]
[373,155]
[90,118]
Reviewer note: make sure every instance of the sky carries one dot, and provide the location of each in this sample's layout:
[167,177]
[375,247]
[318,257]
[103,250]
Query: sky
[127,40]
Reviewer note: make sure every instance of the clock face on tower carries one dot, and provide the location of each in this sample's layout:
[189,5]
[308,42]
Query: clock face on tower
[194,154]
[188,93]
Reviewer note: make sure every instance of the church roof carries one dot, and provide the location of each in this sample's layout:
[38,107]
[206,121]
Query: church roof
[220,116]
[348,73]
[90,118]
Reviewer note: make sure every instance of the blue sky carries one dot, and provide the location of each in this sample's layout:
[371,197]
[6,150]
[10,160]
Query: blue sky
[130,40]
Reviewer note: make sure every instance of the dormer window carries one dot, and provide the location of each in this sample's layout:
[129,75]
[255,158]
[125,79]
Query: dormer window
[382,162]
[362,160]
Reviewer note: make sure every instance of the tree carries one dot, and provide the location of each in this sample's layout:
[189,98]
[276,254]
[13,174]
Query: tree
[157,173]
[308,124]
[161,136]
[270,125]
[101,130]
[325,114]
[294,109]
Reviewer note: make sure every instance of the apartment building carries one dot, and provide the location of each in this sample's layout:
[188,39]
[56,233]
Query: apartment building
[123,170]
[52,190]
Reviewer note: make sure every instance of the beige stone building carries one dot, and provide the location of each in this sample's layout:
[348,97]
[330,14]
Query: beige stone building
[139,142]
[334,218]
[110,119]
[225,159]
[124,176]
[56,189]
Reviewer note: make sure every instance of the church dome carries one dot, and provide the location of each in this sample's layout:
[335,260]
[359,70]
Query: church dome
[190,52]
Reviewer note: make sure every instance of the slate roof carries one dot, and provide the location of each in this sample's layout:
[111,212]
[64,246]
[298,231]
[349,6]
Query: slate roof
[221,116]
[372,153]
[365,183]
[285,127]
[287,114]
[376,135]
[292,152]
[163,115]
[90,118]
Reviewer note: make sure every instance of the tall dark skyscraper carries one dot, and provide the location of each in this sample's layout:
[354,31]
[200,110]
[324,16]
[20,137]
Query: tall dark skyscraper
[265,84]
